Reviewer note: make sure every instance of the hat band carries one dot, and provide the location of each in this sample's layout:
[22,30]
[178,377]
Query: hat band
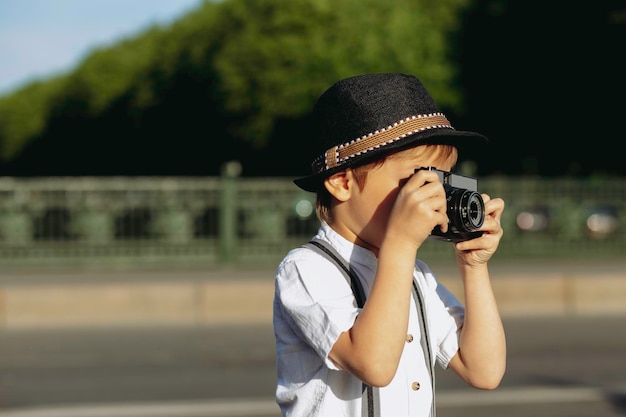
[338,155]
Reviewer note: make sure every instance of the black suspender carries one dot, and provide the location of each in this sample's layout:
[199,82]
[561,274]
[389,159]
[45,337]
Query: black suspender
[329,252]
[355,284]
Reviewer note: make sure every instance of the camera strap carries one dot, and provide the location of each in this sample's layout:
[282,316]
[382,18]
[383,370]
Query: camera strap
[330,253]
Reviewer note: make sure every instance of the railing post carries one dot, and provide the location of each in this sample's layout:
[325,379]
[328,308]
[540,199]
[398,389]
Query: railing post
[228,212]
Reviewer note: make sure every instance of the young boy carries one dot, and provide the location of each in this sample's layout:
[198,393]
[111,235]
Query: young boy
[376,210]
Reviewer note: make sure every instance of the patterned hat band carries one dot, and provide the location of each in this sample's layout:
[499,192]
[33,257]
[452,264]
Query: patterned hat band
[338,155]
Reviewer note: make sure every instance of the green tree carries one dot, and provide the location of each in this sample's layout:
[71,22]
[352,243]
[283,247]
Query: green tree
[277,56]
[238,73]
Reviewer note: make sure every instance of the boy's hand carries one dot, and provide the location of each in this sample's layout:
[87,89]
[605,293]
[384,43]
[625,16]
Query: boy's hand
[419,207]
[479,250]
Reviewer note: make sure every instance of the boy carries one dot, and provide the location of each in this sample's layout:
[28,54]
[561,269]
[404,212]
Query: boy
[376,210]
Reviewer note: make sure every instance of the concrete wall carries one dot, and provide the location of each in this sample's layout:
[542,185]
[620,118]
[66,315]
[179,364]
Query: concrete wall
[38,299]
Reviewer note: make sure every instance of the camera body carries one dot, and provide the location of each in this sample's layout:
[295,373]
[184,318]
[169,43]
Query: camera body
[465,207]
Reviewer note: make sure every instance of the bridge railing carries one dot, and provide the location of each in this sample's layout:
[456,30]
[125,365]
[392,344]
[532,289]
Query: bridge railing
[228,220]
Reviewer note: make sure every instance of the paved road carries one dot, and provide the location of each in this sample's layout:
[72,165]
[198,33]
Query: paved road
[570,366]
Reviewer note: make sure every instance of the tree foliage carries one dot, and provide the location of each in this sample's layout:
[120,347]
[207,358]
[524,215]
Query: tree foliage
[279,56]
[231,75]
[236,79]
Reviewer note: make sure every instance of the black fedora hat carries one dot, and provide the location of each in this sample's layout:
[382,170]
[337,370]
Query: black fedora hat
[361,118]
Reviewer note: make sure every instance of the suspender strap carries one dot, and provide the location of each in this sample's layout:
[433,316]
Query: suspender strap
[329,252]
[355,284]
[357,289]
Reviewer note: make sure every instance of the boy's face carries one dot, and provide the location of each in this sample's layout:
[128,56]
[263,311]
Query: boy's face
[371,206]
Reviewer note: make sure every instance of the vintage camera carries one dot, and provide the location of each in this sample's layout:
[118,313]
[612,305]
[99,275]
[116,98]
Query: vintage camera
[466,208]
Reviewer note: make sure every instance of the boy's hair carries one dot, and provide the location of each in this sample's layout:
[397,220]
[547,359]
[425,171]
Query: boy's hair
[442,154]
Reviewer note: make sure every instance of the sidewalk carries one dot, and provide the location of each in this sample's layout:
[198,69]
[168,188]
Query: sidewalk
[65,298]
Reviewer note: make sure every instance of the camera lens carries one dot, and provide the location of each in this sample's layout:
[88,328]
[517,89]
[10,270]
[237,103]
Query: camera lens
[475,210]
[466,209]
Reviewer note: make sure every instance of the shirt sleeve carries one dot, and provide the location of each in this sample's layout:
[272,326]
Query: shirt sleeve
[317,299]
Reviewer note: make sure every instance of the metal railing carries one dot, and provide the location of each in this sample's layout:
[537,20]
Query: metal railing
[233,221]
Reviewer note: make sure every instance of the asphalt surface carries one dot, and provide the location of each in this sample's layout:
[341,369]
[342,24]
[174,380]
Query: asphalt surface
[565,366]
[198,342]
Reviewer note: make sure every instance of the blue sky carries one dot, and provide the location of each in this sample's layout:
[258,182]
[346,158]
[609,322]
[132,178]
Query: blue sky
[41,38]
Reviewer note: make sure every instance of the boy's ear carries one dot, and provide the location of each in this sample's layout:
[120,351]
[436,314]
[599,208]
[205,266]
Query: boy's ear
[339,184]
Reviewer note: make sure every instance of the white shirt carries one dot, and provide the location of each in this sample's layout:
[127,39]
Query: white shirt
[314,304]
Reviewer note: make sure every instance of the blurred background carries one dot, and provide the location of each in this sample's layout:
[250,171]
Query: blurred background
[147,151]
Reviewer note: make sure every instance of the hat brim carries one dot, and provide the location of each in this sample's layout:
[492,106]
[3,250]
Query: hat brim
[462,140]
